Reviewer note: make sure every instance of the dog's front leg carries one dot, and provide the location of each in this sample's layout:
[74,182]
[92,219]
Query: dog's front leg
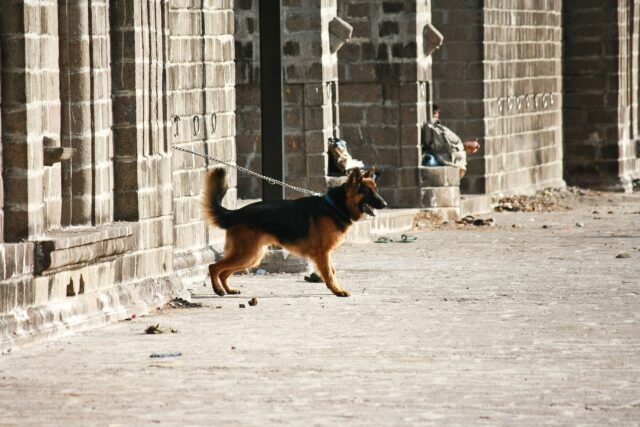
[323,264]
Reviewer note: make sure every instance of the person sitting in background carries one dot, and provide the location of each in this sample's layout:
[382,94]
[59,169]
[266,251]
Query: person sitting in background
[443,147]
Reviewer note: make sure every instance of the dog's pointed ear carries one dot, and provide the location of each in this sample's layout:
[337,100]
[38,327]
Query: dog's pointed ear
[355,177]
[371,173]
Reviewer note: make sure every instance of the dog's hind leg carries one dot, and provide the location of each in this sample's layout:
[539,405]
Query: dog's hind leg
[243,248]
[215,280]
[326,270]
[236,262]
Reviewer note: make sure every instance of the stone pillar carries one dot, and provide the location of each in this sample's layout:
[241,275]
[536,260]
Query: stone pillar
[310,92]
[601,101]
[75,85]
[85,84]
[30,112]
[101,113]
[386,87]
[139,46]
[498,77]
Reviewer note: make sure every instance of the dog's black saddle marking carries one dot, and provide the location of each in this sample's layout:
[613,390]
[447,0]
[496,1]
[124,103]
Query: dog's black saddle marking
[290,220]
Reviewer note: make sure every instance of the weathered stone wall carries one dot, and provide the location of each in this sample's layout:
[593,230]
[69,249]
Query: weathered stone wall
[119,82]
[499,77]
[310,85]
[142,162]
[523,77]
[385,88]
[201,104]
[600,73]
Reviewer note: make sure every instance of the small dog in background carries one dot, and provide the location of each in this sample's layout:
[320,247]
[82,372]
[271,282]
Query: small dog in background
[312,227]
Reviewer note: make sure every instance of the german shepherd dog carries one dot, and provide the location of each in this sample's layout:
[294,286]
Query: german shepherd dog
[312,227]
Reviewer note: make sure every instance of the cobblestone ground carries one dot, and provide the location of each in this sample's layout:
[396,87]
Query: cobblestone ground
[467,326]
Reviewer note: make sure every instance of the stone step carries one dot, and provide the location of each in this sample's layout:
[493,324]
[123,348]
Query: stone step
[439,176]
[475,204]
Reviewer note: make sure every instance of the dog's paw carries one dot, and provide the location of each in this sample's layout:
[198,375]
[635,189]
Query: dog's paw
[219,292]
[233,292]
[342,293]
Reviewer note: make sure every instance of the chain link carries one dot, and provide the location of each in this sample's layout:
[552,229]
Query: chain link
[252,173]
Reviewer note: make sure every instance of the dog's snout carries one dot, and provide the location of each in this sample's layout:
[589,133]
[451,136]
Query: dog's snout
[381,202]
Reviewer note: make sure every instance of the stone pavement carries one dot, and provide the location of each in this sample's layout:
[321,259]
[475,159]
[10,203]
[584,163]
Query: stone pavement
[467,326]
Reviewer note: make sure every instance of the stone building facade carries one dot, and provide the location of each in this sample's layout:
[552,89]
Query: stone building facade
[100,216]
[117,227]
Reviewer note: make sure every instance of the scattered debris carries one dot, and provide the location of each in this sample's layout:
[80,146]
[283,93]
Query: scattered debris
[261,271]
[428,219]
[233,347]
[157,329]
[241,306]
[623,255]
[546,200]
[405,238]
[182,303]
[478,222]
[163,355]
[545,226]
[579,224]
[253,301]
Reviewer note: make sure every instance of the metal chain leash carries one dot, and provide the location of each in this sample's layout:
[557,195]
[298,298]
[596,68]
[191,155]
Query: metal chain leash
[252,173]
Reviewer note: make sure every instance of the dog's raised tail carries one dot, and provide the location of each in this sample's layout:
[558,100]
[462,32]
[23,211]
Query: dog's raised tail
[215,187]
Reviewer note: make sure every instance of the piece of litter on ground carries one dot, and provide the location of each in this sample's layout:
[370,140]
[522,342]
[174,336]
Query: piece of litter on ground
[580,224]
[261,271]
[253,301]
[163,355]
[241,305]
[157,329]
[183,303]
[623,255]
